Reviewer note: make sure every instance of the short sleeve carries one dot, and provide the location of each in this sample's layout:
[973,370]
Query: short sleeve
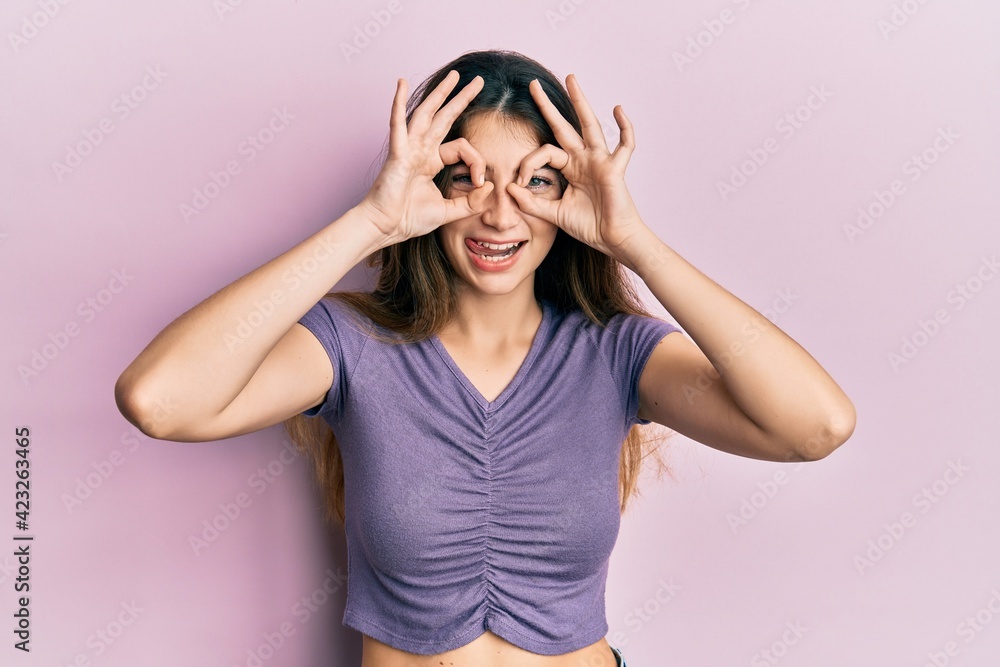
[343,339]
[628,344]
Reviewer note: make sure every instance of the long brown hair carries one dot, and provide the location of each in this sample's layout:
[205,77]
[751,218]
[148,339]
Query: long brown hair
[415,292]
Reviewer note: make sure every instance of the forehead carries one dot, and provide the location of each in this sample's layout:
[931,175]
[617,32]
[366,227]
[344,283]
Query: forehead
[500,135]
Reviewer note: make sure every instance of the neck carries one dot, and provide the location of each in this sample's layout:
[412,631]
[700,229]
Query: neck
[496,319]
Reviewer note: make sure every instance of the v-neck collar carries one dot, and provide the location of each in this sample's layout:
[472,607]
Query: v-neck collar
[489,406]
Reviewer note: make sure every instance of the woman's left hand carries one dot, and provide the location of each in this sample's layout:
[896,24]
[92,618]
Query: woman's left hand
[596,207]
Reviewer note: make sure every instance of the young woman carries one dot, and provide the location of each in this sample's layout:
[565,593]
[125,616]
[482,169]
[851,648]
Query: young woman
[481,408]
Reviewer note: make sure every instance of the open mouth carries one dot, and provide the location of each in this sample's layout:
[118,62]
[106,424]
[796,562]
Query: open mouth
[493,252]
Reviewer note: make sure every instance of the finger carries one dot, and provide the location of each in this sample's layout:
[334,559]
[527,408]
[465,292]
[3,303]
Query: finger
[593,133]
[476,199]
[539,207]
[444,118]
[626,142]
[460,150]
[397,120]
[565,133]
[546,154]
[471,204]
[422,115]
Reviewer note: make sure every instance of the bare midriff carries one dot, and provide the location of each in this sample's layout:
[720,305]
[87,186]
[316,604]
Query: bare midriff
[486,650]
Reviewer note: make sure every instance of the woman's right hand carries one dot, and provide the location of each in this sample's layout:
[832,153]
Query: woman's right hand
[404,202]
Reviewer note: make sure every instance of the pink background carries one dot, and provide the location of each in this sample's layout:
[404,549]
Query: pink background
[689,585]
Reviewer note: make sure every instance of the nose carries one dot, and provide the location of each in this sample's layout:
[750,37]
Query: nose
[501,211]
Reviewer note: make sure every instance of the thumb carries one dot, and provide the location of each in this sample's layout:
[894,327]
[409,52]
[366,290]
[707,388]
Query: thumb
[532,205]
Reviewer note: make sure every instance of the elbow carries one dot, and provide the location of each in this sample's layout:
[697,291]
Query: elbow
[150,416]
[830,435]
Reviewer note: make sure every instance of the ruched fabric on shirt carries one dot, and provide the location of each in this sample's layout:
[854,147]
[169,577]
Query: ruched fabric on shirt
[465,515]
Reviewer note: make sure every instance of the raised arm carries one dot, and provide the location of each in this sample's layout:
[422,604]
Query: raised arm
[183,382]
[239,361]
[743,386]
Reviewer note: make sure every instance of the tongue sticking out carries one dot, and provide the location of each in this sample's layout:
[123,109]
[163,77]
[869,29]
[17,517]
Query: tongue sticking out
[483,250]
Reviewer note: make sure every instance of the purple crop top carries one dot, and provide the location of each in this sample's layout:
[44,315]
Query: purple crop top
[464,515]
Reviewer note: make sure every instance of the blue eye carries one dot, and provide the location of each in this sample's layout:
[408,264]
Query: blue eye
[544,182]
[534,183]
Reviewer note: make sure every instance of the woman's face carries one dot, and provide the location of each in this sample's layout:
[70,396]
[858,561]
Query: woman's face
[502,146]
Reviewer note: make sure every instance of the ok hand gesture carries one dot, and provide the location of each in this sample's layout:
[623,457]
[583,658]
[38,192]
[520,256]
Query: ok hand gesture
[596,207]
[403,202]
